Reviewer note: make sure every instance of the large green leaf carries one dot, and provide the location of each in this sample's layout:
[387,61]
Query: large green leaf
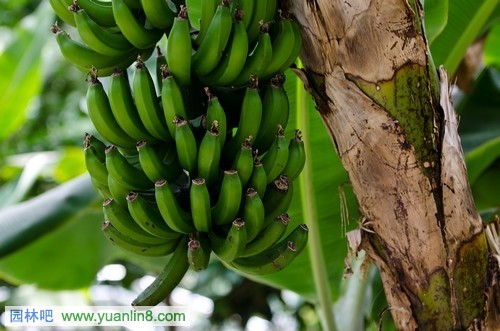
[20,65]
[435,19]
[491,49]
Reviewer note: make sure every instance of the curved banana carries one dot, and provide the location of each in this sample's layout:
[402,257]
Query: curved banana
[275,159]
[172,100]
[120,218]
[199,250]
[215,112]
[234,57]
[176,218]
[296,48]
[271,10]
[98,145]
[249,122]
[296,157]
[253,214]
[101,189]
[247,7]
[60,7]
[118,191]
[200,205]
[168,278]
[277,257]
[212,47]
[135,246]
[258,179]
[101,115]
[153,166]
[83,56]
[179,48]
[270,235]
[100,11]
[121,170]
[229,247]
[275,112]
[208,8]
[158,13]
[258,17]
[185,142]
[148,217]
[228,203]
[95,167]
[258,60]
[243,162]
[278,198]
[147,103]
[123,107]
[161,61]
[132,29]
[209,155]
[98,38]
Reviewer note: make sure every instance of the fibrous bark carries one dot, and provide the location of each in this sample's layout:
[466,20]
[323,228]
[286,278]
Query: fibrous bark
[389,114]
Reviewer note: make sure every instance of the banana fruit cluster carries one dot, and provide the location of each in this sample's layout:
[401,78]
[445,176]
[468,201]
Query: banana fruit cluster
[195,159]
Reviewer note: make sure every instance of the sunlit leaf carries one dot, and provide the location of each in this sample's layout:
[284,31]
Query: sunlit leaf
[492,49]
[435,19]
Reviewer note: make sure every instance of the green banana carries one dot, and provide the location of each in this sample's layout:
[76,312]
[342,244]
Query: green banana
[168,278]
[296,157]
[271,10]
[258,179]
[275,112]
[215,112]
[277,257]
[132,29]
[234,58]
[270,235]
[118,191]
[60,7]
[100,188]
[147,103]
[209,155]
[229,247]
[83,56]
[185,142]
[135,246]
[250,119]
[148,217]
[123,107]
[200,205]
[101,115]
[258,60]
[212,47]
[98,145]
[228,203]
[208,8]
[120,169]
[100,11]
[95,167]
[253,213]
[176,218]
[179,48]
[172,100]
[243,162]
[158,13]
[133,4]
[278,198]
[296,48]
[275,159]
[247,7]
[257,19]
[161,61]
[120,218]
[153,166]
[98,38]
[199,252]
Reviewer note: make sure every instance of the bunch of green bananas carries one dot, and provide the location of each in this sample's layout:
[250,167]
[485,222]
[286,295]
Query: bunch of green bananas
[197,163]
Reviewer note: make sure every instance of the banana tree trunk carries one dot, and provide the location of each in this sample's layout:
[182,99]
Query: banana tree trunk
[388,112]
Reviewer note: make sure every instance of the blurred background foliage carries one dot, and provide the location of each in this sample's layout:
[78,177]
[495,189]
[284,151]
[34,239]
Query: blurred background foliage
[51,248]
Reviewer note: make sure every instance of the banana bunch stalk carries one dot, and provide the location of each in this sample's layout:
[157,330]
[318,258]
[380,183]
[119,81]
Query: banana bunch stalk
[193,159]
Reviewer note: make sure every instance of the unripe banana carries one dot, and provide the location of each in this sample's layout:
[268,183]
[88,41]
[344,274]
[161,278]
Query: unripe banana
[258,17]
[278,198]
[168,278]
[253,214]
[161,61]
[179,48]
[209,155]
[228,203]
[100,11]
[153,166]
[98,145]
[243,162]
[118,191]
[229,247]
[101,115]
[296,48]
[158,13]
[199,252]
[247,7]
[176,218]
[215,112]
[208,8]
[60,7]
[296,157]
[100,188]
[147,103]
[134,246]
[119,168]
[275,159]
[200,205]
[277,257]
[95,167]
[258,180]
[171,100]
[120,218]
[185,142]
[269,236]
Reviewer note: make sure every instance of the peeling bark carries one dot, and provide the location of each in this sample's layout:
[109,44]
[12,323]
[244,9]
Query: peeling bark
[395,130]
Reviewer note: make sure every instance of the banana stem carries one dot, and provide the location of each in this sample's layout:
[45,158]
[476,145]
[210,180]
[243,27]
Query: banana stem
[320,275]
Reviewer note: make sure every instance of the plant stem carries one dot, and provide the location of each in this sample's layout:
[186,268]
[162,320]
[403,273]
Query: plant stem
[320,274]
